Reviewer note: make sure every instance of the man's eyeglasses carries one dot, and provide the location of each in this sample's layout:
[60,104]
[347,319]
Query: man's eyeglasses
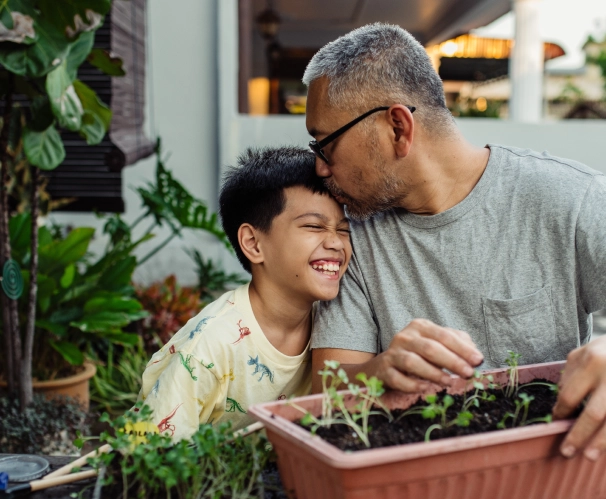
[317,147]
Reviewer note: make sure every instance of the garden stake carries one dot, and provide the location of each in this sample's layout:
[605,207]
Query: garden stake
[64,470]
[35,485]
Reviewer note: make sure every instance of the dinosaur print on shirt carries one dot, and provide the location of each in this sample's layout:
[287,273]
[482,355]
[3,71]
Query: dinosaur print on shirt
[186,362]
[199,327]
[262,368]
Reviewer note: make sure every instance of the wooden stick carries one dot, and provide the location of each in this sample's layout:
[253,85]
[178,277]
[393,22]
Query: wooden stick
[81,461]
[52,482]
[247,430]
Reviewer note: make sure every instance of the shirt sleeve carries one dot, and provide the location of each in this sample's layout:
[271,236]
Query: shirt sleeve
[183,394]
[347,322]
[591,246]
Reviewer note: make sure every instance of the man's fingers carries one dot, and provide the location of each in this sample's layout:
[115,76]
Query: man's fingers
[597,446]
[589,422]
[574,386]
[436,353]
[457,341]
[399,381]
[409,362]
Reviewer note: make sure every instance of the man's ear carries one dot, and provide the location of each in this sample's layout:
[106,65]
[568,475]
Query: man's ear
[402,123]
[248,238]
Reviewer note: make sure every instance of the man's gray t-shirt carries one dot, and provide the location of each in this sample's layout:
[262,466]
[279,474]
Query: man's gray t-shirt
[519,264]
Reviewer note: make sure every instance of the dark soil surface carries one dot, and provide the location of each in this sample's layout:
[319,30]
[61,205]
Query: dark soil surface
[412,428]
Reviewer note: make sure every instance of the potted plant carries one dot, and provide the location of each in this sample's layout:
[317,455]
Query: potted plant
[519,462]
[42,44]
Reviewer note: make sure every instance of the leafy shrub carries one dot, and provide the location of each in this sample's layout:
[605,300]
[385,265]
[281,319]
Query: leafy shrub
[212,279]
[45,427]
[213,464]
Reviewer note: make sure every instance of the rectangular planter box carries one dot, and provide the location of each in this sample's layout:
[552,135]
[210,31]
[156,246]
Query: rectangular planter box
[513,463]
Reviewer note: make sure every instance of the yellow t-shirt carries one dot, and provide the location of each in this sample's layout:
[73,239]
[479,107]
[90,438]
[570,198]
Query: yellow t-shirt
[216,366]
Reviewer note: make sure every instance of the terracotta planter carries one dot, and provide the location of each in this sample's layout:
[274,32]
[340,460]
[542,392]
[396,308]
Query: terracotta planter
[514,463]
[75,386]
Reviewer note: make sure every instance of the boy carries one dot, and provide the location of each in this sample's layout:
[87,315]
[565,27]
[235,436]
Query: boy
[252,344]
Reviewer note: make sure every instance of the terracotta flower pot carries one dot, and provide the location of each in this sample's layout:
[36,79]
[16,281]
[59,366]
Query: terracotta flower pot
[513,463]
[75,386]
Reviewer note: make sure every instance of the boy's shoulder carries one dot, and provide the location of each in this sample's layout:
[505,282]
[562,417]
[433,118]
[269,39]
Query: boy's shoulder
[211,327]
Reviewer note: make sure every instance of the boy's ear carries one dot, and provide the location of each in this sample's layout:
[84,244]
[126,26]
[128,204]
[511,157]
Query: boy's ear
[249,243]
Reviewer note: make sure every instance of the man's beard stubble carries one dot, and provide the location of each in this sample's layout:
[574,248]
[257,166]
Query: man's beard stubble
[382,195]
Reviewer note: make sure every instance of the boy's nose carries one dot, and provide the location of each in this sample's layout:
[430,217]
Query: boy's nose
[333,241]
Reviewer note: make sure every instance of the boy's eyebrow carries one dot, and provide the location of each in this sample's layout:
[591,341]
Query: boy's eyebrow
[322,217]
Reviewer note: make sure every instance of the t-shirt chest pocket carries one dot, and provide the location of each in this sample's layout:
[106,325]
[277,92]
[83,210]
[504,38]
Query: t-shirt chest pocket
[524,325]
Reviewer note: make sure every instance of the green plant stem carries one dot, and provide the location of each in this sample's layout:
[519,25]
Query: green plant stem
[430,429]
[158,248]
[139,219]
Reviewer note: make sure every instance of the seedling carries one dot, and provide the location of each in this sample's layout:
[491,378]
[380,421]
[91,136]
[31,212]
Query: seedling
[522,405]
[512,385]
[436,409]
[480,393]
[334,409]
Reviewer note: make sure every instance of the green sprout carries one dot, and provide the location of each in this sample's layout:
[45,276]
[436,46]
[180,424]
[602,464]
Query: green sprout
[514,377]
[480,393]
[522,406]
[334,408]
[434,409]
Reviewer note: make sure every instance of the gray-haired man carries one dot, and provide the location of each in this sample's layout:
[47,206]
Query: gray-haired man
[503,245]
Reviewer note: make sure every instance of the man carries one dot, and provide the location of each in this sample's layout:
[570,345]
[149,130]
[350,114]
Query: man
[460,253]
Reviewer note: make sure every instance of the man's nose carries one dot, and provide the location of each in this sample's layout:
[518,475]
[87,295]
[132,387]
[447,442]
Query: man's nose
[322,169]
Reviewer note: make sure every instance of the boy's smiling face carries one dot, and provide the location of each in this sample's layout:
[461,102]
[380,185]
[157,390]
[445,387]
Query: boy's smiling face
[307,249]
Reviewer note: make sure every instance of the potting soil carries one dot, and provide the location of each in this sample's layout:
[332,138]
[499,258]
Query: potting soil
[412,428]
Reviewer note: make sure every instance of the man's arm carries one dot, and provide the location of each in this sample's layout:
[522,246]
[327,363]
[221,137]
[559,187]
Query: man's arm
[418,352]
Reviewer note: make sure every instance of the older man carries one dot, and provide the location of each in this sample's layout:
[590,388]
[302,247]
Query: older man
[460,253]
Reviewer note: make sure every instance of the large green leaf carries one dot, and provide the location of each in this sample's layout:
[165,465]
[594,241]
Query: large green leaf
[20,228]
[64,100]
[69,351]
[103,322]
[78,53]
[42,114]
[59,254]
[102,60]
[65,315]
[37,59]
[119,274]
[97,116]
[72,17]
[43,149]
[113,304]
[53,327]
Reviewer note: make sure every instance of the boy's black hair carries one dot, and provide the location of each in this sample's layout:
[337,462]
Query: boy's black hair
[253,192]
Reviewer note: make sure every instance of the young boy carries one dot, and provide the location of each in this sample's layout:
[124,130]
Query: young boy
[252,344]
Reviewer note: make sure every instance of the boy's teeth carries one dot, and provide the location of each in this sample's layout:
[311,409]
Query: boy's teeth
[328,267]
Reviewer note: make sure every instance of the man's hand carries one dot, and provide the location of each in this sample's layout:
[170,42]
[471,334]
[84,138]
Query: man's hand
[421,350]
[584,376]
[418,352]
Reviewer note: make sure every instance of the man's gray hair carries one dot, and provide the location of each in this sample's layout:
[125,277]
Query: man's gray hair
[380,65]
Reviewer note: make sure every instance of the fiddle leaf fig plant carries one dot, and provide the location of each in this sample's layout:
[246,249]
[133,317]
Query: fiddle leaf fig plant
[42,44]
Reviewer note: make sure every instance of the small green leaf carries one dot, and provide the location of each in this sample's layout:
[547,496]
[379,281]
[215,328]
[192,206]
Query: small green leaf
[78,53]
[68,276]
[331,364]
[43,149]
[447,401]
[428,413]
[101,59]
